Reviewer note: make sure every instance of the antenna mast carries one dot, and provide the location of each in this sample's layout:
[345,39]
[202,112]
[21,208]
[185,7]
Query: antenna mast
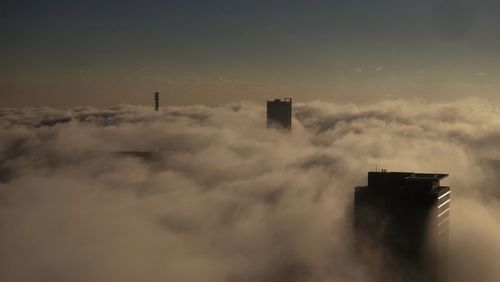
[157,100]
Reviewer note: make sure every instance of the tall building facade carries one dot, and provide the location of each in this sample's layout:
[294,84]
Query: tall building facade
[401,225]
[279,113]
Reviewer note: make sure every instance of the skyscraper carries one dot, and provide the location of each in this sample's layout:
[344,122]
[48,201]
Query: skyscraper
[279,113]
[401,221]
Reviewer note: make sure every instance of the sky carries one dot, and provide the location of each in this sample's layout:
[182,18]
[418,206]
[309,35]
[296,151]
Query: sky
[102,53]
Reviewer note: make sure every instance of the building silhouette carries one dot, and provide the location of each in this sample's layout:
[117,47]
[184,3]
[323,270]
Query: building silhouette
[401,225]
[157,100]
[279,113]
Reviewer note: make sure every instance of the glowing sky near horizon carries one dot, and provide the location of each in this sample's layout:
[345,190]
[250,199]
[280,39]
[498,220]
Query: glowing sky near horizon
[67,53]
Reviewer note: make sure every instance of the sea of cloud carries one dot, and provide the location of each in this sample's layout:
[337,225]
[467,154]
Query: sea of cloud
[218,197]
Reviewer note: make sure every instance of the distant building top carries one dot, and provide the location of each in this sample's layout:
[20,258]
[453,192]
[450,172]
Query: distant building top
[284,100]
[279,113]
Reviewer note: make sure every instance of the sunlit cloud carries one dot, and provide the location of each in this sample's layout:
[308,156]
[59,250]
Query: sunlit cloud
[222,198]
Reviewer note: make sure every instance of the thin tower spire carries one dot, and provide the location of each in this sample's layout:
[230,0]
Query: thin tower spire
[157,100]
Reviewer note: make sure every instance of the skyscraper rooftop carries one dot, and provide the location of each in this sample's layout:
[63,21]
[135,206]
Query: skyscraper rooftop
[404,216]
[279,113]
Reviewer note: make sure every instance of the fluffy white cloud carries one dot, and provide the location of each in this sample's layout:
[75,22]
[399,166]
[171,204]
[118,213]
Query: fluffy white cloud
[222,198]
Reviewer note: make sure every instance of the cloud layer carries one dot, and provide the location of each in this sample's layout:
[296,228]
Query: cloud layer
[221,198]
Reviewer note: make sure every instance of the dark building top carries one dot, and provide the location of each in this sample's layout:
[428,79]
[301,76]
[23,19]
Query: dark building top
[391,182]
[279,113]
[405,216]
